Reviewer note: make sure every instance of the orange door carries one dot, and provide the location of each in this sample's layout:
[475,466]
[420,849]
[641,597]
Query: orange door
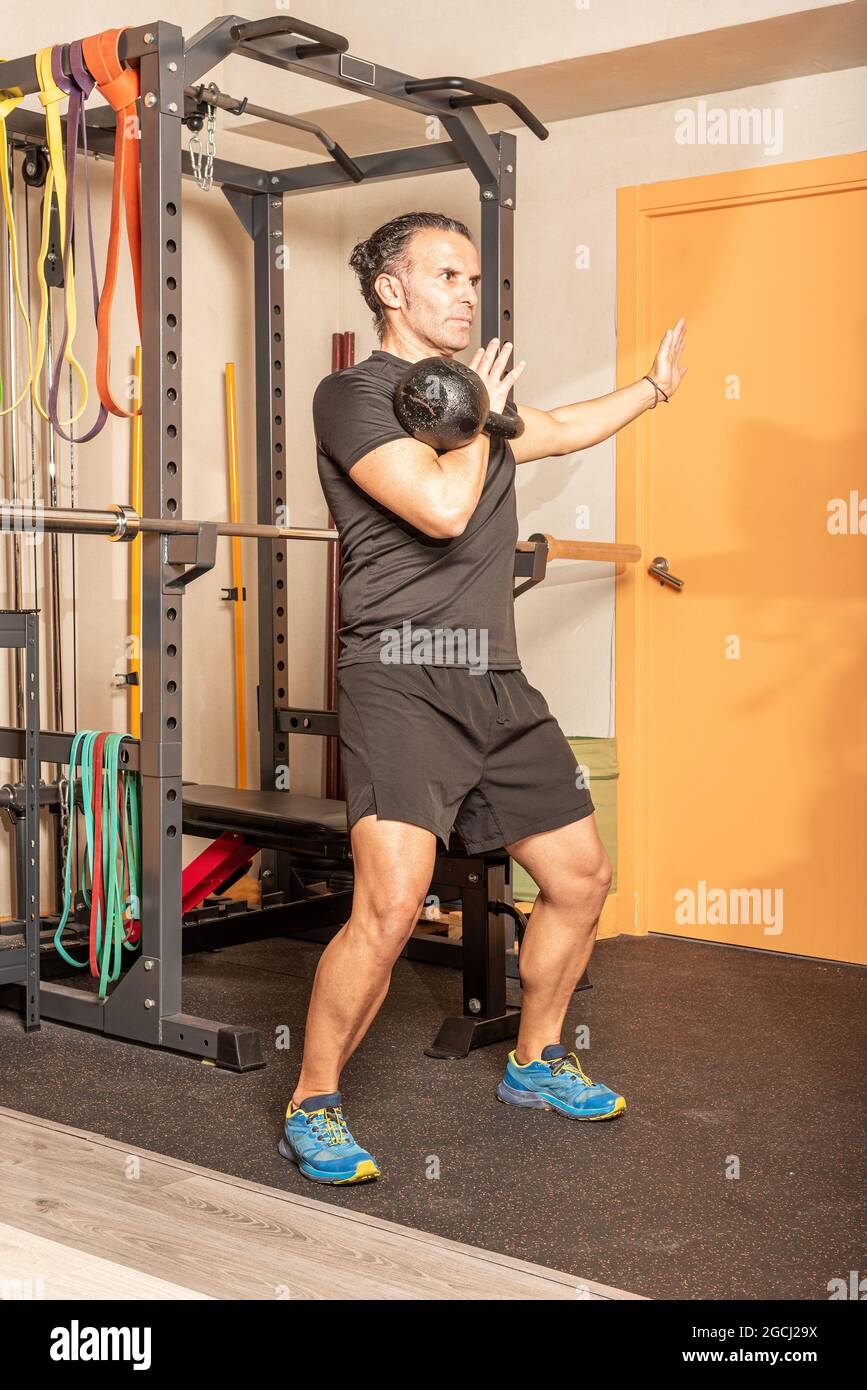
[742,698]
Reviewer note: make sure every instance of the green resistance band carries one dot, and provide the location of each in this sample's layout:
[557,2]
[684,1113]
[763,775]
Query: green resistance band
[121,825]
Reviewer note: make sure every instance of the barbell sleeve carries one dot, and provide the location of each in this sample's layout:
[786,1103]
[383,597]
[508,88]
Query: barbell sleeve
[608,552]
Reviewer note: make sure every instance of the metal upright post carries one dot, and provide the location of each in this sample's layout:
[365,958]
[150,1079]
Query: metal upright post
[152,987]
[11,425]
[146,1003]
[266,229]
[261,216]
[19,965]
[498,246]
[32,886]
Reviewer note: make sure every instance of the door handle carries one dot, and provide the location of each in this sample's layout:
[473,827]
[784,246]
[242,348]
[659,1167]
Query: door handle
[659,570]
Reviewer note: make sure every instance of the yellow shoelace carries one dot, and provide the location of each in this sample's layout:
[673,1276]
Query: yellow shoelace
[336,1131]
[570,1063]
[328,1123]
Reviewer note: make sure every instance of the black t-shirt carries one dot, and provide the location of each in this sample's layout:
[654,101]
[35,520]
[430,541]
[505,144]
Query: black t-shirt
[406,596]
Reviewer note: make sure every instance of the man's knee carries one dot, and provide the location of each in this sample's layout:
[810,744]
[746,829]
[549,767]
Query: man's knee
[604,874]
[386,921]
[585,880]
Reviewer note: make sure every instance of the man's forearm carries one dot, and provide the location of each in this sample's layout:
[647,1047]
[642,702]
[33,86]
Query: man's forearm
[589,422]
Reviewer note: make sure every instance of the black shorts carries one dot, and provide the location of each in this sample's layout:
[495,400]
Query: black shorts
[447,748]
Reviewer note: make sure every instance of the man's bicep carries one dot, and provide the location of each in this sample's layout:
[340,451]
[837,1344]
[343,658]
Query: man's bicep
[400,475]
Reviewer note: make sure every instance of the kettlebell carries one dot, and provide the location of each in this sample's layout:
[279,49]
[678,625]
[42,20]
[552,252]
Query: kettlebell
[445,404]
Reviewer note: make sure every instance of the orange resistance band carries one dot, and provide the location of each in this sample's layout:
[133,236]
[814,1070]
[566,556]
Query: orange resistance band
[120,86]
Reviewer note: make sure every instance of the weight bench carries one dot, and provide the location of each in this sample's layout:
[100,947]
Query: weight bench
[311,833]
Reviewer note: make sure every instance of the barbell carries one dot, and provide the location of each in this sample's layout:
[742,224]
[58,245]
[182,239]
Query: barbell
[120,522]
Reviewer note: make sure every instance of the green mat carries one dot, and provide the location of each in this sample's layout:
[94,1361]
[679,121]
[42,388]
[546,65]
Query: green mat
[599,757]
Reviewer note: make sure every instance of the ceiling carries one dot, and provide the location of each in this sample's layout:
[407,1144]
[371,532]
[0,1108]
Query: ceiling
[720,60]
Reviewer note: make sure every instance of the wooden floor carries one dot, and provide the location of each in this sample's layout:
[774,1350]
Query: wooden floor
[86,1217]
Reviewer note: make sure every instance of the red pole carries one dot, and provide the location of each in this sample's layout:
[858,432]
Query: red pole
[342,355]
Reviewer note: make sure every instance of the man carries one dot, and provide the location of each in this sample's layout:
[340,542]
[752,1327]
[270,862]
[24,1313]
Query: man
[441,739]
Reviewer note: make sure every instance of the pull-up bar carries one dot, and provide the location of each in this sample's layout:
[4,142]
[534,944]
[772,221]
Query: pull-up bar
[324,40]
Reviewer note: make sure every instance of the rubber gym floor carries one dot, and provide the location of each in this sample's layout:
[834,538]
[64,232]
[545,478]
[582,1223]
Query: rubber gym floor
[725,1057]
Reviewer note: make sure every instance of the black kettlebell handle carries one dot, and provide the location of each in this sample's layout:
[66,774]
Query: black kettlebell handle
[507,425]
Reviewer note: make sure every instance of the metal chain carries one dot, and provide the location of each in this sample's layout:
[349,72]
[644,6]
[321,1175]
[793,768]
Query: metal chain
[204,173]
[63,789]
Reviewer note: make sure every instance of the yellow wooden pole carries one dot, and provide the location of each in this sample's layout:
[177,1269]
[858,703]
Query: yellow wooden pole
[237,580]
[136,563]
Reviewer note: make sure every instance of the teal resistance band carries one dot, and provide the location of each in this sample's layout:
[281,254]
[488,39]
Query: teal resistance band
[120,851]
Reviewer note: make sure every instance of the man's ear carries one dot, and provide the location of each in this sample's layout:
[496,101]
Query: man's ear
[388,289]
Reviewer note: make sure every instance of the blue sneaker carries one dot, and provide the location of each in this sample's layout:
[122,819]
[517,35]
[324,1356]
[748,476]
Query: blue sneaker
[317,1138]
[556,1081]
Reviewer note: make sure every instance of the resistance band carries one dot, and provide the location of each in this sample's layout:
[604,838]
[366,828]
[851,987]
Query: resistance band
[50,95]
[7,105]
[120,86]
[110,803]
[78,87]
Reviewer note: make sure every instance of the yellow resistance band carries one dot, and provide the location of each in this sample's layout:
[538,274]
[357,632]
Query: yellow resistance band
[7,105]
[50,95]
